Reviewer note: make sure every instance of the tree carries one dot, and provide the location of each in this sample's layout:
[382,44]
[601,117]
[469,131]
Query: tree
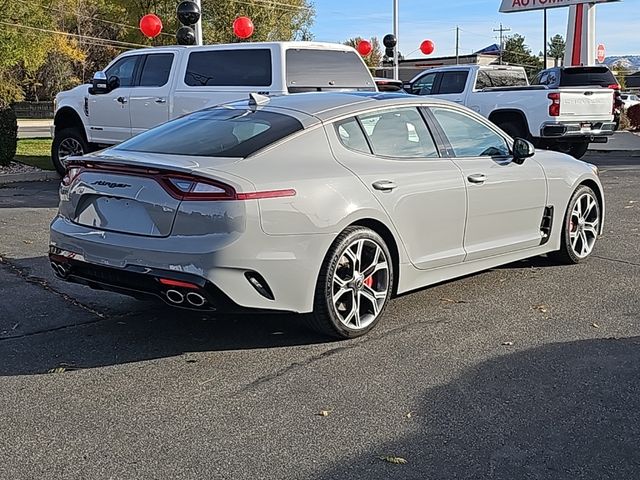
[557,47]
[516,52]
[374,59]
[622,72]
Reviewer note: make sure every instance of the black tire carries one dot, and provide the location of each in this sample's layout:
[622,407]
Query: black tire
[68,139]
[326,318]
[566,255]
[514,130]
[575,149]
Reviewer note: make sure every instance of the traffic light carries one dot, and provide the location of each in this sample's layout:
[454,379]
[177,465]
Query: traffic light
[188,15]
[390,41]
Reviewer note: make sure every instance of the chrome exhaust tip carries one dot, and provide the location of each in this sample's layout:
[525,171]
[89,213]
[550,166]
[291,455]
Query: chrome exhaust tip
[174,296]
[196,299]
[60,269]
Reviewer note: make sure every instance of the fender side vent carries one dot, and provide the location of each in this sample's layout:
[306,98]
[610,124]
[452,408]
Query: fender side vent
[546,224]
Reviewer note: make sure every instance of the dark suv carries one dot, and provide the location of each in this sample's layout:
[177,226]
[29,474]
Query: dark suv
[583,77]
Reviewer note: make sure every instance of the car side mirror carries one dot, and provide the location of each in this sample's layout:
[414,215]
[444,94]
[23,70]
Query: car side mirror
[113,82]
[522,149]
[99,84]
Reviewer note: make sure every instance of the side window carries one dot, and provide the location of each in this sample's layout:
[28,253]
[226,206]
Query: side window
[124,70]
[352,136]
[424,85]
[234,67]
[156,70]
[468,137]
[453,82]
[399,133]
[483,81]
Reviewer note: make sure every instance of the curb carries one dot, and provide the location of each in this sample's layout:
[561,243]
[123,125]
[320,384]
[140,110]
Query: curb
[29,177]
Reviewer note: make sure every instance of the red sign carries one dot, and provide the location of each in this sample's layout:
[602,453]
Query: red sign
[601,53]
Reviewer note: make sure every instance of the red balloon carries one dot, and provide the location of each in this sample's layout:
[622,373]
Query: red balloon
[364,47]
[427,47]
[150,25]
[243,27]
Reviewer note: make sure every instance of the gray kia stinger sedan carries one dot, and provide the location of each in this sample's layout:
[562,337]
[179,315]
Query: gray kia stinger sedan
[326,204]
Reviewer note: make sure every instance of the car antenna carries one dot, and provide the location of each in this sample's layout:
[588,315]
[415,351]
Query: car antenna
[257,99]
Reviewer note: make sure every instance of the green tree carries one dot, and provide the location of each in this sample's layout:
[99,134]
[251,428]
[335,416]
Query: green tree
[557,47]
[374,59]
[516,52]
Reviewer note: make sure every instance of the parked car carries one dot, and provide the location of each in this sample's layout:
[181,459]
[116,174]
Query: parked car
[563,119]
[629,100]
[389,84]
[144,88]
[326,204]
[585,76]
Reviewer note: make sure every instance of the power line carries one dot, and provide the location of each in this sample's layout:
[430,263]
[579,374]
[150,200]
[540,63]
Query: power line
[67,34]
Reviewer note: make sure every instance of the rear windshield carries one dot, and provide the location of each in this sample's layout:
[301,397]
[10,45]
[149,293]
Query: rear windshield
[501,78]
[215,132]
[312,70]
[235,68]
[586,76]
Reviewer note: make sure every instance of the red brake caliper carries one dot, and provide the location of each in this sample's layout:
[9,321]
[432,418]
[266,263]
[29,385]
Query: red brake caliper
[369,281]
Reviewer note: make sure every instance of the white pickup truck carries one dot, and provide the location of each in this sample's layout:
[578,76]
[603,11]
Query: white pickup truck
[144,88]
[566,119]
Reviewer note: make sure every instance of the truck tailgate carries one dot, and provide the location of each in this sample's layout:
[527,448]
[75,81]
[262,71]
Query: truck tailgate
[587,104]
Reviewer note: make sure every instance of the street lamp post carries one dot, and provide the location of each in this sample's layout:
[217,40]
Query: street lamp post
[396,56]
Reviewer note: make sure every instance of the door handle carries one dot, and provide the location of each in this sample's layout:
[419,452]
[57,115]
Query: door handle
[384,185]
[477,178]
[122,100]
[161,100]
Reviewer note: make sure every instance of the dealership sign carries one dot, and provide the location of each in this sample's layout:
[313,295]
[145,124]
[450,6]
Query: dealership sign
[510,6]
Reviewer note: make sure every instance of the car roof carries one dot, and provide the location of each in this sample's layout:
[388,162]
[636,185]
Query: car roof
[248,45]
[326,106]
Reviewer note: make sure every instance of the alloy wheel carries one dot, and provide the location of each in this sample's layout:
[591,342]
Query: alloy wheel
[69,147]
[360,284]
[583,226]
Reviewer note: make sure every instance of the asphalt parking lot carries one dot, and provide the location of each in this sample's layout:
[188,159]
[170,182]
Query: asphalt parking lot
[526,371]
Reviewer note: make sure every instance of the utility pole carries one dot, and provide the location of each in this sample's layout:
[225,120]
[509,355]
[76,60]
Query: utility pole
[457,45]
[545,39]
[396,28]
[502,30]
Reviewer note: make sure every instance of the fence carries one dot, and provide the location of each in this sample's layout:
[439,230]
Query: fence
[33,109]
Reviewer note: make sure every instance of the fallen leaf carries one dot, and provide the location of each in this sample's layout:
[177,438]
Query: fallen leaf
[58,370]
[451,300]
[507,344]
[28,242]
[393,459]
[409,415]
[324,413]
[541,308]
[595,325]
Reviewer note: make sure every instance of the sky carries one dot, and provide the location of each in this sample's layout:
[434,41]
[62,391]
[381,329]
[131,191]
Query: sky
[617,24]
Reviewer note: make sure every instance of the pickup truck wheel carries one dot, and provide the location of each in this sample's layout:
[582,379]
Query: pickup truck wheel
[68,142]
[576,150]
[514,130]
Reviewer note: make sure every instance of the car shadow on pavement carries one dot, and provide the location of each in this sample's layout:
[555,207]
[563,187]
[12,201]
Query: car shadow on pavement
[29,195]
[561,411]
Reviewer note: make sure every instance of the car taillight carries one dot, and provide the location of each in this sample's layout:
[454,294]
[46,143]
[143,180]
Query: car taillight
[614,86]
[70,175]
[196,188]
[554,108]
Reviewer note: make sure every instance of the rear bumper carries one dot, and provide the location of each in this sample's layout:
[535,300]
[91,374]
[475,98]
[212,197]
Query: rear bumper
[577,130]
[222,266]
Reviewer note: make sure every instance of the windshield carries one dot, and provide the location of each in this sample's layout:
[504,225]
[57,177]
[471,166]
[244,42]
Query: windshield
[215,132]
[585,76]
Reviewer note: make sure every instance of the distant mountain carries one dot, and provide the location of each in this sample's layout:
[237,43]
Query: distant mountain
[631,62]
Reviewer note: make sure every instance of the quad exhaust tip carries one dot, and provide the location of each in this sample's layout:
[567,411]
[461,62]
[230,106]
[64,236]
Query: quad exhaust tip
[196,299]
[60,269]
[175,297]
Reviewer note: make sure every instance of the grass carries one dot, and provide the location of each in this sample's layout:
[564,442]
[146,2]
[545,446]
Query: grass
[35,152]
